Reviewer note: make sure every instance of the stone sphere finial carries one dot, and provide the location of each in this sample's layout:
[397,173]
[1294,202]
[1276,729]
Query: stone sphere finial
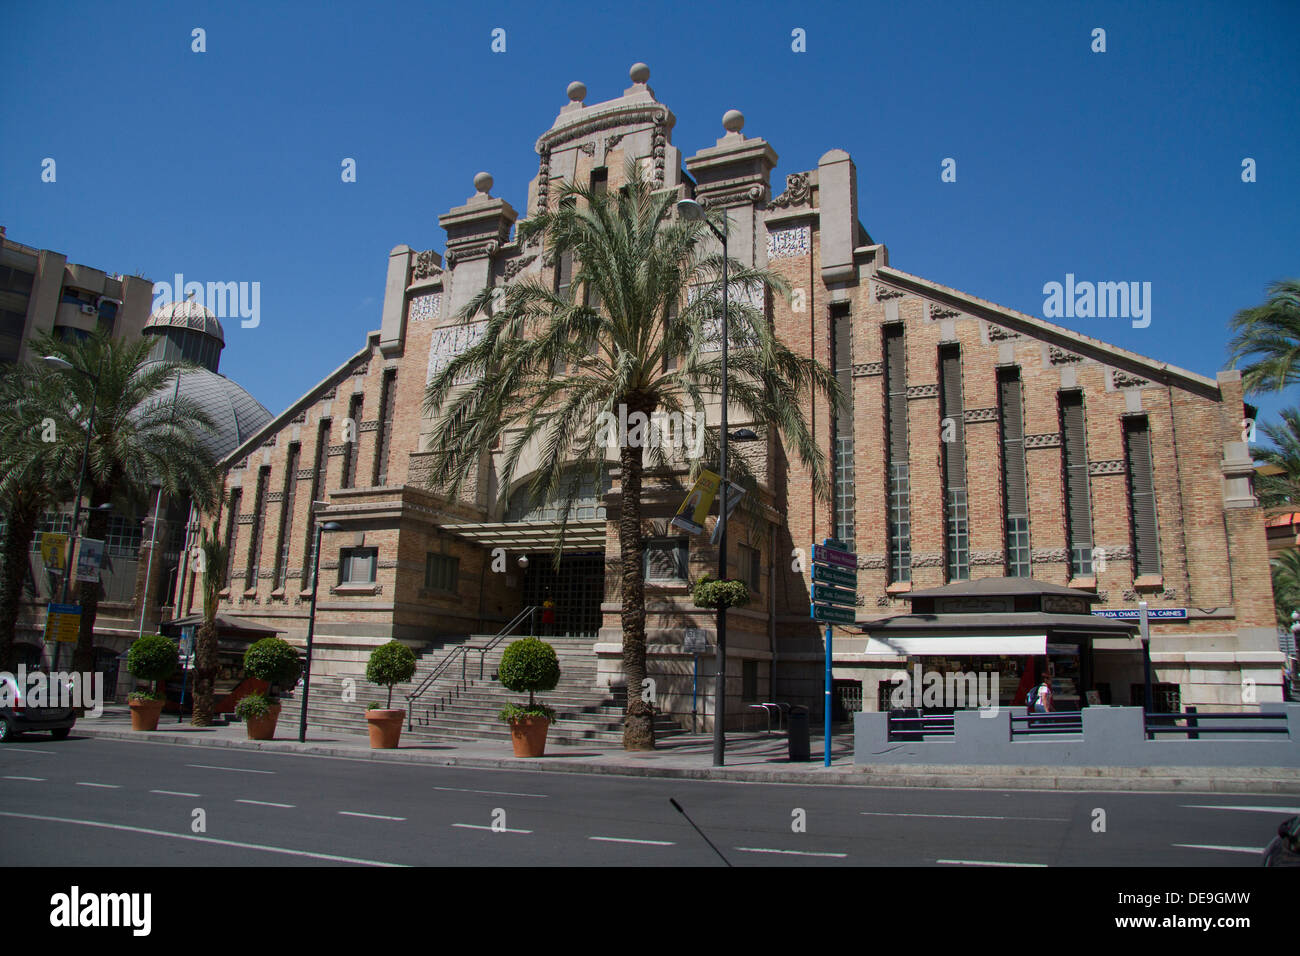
[640,73]
[733,121]
[577,91]
[483,182]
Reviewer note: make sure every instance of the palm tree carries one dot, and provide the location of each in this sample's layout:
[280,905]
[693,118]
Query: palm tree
[1280,484]
[36,459]
[1285,568]
[550,363]
[1271,334]
[215,558]
[142,434]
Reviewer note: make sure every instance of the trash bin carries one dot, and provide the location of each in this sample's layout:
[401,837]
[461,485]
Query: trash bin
[798,733]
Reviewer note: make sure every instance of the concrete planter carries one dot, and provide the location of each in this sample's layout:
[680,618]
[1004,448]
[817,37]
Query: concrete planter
[145,714]
[385,728]
[529,736]
[263,728]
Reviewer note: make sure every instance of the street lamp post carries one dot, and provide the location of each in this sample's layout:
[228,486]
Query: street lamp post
[62,364]
[690,209]
[311,623]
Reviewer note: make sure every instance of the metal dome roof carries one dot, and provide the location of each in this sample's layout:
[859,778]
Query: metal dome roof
[186,314]
[236,415]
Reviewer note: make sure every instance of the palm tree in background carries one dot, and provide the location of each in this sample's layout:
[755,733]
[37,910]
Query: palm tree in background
[216,556]
[1280,483]
[1285,567]
[142,434]
[1268,335]
[643,334]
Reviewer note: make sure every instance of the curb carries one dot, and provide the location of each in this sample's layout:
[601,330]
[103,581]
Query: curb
[1155,780]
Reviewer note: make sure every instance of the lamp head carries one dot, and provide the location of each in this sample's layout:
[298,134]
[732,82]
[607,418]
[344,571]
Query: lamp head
[690,209]
[53,361]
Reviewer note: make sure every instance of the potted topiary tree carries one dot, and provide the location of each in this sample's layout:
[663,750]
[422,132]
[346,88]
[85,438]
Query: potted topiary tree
[529,665]
[391,663]
[153,658]
[275,661]
[710,593]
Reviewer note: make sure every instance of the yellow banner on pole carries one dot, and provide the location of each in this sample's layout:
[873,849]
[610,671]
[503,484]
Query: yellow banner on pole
[690,516]
[54,551]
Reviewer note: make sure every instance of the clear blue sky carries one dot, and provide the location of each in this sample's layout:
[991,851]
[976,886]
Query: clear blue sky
[225,165]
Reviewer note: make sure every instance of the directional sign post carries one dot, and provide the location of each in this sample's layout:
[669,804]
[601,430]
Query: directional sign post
[834,598]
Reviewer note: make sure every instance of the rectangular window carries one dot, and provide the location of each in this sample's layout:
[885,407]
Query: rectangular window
[665,560]
[842,424]
[351,438]
[1078,504]
[1014,487]
[285,536]
[441,572]
[952,434]
[387,409]
[357,565]
[749,680]
[1142,496]
[255,530]
[123,537]
[318,483]
[899,472]
[751,567]
[232,532]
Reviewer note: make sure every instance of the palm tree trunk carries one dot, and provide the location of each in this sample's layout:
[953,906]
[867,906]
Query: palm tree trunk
[83,658]
[638,724]
[18,537]
[205,673]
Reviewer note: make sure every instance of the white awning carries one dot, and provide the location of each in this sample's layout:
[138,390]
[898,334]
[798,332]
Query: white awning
[1012,645]
[585,535]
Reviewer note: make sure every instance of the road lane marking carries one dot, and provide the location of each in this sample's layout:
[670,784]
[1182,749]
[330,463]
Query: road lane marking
[492,793]
[24,778]
[27,750]
[174,793]
[475,826]
[204,766]
[963,816]
[988,863]
[759,849]
[105,786]
[199,839]
[264,803]
[629,840]
[1256,809]
[372,816]
[1257,850]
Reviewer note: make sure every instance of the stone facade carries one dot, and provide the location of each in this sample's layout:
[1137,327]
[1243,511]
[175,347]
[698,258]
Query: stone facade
[1213,559]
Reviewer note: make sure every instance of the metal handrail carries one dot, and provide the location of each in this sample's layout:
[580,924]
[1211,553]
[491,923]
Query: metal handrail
[1194,728]
[461,652]
[1056,722]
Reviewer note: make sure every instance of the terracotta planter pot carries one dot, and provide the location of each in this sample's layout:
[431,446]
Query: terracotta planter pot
[385,728]
[263,728]
[145,714]
[529,736]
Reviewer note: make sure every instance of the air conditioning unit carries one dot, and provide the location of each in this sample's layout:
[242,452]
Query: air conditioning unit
[88,309]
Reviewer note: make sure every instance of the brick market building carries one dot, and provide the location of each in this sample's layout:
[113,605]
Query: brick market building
[980,443]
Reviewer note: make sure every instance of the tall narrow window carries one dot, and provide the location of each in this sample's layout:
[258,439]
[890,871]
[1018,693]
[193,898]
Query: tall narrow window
[383,444]
[353,433]
[842,423]
[1014,488]
[255,530]
[900,511]
[1078,503]
[318,483]
[952,432]
[284,539]
[599,186]
[232,532]
[1142,496]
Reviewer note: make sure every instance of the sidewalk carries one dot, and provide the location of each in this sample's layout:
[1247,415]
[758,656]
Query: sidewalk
[751,757]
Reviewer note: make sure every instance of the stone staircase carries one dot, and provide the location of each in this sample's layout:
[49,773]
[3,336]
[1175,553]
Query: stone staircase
[456,708]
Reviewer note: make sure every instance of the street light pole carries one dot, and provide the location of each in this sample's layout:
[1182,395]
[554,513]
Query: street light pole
[311,625]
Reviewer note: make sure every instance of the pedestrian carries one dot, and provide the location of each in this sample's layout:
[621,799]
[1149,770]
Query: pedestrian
[1043,695]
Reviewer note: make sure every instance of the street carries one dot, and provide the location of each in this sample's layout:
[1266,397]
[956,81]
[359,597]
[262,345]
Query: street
[100,802]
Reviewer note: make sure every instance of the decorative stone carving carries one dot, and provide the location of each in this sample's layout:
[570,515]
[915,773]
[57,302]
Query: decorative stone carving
[451,341]
[425,265]
[1124,379]
[273,496]
[798,192]
[300,418]
[1113,467]
[247,518]
[339,449]
[1103,596]
[1119,552]
[938,312]
[425,307]
[868,368]
[588,148]
[543,178]
[927,559]
[972,415]
[1049,555]
[516,266]
[922,391]
[472,250]
[998,334]
[884,292]
[788,243]
[660,143]
[873,562]
[304,474]
[882,601]
[1059,356]
[612,140]
[368,426]
[1169,594]
[1046,440]
[548,259]
[1130,595]
[988,557]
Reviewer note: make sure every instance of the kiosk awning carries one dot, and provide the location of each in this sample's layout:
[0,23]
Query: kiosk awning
[1012,645]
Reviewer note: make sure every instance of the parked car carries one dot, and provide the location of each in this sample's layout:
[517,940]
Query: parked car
[1285,848]
[17,718]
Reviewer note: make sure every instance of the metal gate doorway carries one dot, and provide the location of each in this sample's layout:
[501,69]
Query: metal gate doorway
[576,588]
